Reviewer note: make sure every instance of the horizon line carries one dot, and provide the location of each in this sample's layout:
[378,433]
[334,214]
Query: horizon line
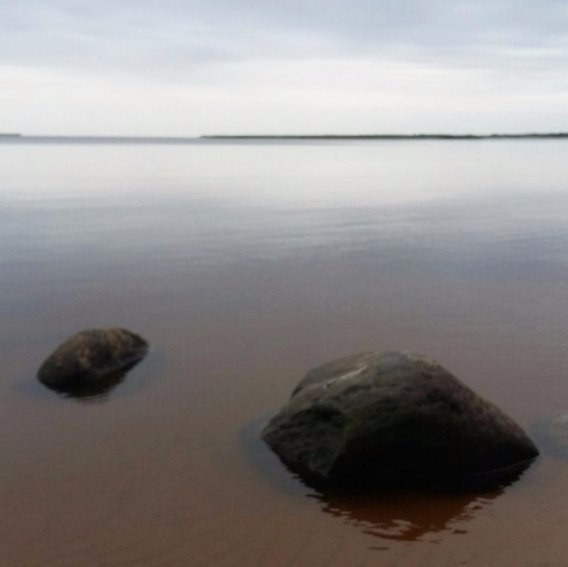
[15,136]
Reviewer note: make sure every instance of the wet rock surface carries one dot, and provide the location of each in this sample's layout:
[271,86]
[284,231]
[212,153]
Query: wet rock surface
[92,361]
[378,419]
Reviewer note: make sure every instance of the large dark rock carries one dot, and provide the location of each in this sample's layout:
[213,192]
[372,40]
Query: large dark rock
[92,361]
[383,418]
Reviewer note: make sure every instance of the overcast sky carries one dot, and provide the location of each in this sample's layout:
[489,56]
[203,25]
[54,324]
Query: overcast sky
[189,67]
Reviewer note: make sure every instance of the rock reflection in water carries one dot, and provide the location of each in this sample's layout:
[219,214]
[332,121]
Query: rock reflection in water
[407,516]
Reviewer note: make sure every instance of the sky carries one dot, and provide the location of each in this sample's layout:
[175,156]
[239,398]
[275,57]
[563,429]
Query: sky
[193,67]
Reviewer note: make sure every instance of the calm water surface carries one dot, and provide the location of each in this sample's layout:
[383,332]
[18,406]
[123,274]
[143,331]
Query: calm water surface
[245,265]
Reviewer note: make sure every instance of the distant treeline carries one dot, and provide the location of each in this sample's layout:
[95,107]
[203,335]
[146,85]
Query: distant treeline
[387,136]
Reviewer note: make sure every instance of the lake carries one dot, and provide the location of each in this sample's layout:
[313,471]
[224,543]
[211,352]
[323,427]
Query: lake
[245,264]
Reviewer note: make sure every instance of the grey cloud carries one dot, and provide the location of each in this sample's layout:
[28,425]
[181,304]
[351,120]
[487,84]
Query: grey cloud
[174,36]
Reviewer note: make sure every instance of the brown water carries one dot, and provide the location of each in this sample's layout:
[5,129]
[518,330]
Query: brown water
[244,265]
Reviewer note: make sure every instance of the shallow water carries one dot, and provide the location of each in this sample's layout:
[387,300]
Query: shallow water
[244,265]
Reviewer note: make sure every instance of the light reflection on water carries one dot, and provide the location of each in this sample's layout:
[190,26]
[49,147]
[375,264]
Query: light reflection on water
[245,265]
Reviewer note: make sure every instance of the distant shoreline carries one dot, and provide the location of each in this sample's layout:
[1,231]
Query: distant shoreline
[546,135]
[16,138]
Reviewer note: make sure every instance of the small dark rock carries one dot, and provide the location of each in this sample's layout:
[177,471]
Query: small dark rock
[395,418]
[92,361]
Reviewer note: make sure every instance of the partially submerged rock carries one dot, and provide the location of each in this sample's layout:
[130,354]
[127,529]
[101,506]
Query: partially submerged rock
[383,418]
[553,434]
[92,360]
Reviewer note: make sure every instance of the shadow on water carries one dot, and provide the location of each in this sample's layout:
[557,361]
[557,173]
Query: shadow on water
[112,385]
[390,514]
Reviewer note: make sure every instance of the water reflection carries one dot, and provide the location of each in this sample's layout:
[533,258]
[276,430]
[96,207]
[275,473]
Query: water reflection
[407,516]
[248,274]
